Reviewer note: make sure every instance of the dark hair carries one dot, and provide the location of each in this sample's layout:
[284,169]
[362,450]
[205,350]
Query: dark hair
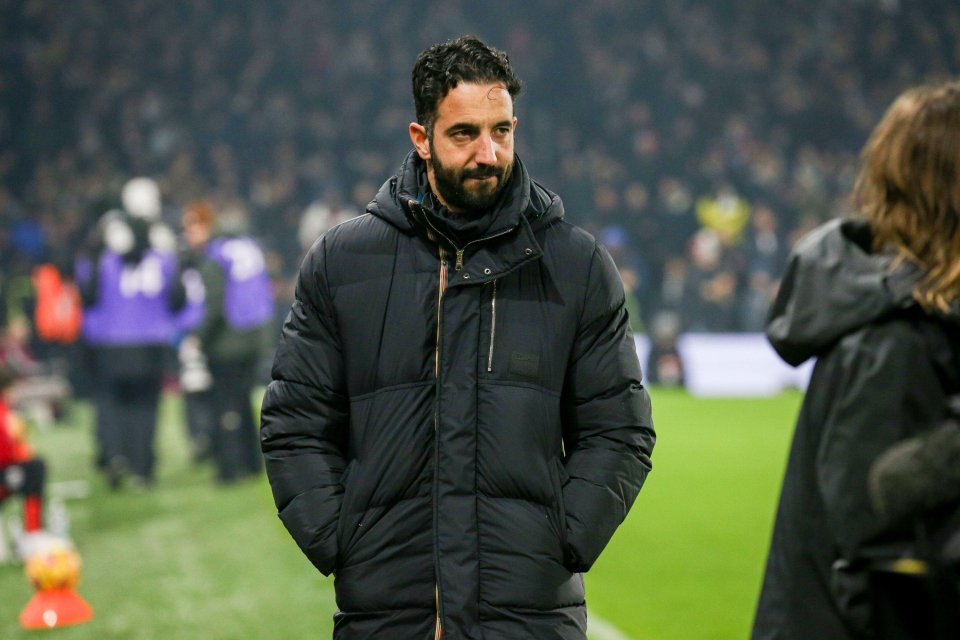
[909,186]
[443,66]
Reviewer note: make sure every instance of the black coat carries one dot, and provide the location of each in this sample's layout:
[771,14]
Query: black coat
[457,455]
[884,372]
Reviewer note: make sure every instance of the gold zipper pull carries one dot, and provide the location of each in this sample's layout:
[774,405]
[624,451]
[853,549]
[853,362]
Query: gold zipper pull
[459,263]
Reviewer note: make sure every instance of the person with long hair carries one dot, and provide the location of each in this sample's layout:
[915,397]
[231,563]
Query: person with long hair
[875,300]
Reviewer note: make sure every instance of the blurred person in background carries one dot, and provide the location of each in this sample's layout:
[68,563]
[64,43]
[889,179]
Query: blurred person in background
[195,379]
[234,334]
[457,423]
[130,290]
[875,300]
[40,392]
[22,472]
[710,296]
[320,216]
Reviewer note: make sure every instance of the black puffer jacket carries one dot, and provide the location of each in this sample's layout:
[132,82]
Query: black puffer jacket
[885,370]
[457,455]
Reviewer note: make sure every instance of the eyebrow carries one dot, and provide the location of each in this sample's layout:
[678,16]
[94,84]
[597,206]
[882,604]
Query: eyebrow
[471,127]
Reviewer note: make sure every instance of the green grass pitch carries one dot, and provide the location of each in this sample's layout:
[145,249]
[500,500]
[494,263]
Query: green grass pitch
[190,560]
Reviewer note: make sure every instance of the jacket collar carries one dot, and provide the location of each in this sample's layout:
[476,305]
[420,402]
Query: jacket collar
[508,243]
[524,198]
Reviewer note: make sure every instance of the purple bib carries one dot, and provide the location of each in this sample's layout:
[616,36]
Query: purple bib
[248,295]
[132,306]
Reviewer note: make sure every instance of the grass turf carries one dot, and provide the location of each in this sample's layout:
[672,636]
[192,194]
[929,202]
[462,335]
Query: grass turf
[191,560]
[687,562]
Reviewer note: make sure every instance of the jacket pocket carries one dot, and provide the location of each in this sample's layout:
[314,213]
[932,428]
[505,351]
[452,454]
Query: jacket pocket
[559,478]
[493,326]
[344,530]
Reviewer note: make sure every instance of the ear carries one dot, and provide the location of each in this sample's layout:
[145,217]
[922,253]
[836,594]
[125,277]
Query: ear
[418,136]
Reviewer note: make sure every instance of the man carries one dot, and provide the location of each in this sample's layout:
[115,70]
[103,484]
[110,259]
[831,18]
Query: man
[131,294]
[233,333]
[457,424]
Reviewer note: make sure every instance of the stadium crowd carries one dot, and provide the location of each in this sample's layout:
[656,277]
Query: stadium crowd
[698,140]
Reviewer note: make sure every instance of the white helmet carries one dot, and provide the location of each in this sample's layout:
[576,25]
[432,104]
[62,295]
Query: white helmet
[141,198]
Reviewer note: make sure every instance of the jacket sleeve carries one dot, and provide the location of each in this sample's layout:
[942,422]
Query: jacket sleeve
[883,387]
[304,418]
[607,425]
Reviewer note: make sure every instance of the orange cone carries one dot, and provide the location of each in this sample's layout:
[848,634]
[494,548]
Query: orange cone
[54,570]
[55,608]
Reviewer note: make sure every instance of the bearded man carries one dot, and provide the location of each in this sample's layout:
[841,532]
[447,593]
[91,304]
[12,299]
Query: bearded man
[457,424]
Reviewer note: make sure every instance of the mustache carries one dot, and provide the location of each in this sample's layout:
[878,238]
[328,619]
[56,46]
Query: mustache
[488,171]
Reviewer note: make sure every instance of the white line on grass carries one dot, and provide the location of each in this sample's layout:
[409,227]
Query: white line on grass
[600,629]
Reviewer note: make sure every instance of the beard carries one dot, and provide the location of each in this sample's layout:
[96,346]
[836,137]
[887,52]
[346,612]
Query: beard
[459,195]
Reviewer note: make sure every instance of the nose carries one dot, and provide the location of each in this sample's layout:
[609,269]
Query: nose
[486,150]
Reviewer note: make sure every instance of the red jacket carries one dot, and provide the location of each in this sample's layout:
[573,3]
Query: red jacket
[13,448]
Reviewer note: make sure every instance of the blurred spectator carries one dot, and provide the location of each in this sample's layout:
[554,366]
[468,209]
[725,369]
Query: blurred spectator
[664,366]
[320,216]
[235,333]
[22,472]
[38,391]
[709,300]
[725,212]
[195,379]
[131,295]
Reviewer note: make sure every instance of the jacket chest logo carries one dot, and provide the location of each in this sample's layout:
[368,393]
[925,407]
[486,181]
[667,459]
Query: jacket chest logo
[525,364]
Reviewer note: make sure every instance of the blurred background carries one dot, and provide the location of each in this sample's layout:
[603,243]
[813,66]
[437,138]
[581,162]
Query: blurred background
[697,140]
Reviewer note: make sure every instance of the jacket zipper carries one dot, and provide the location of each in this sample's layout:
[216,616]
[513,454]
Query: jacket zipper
[438,628]
[457,266]
[458,261]
[443,286]
[493,326]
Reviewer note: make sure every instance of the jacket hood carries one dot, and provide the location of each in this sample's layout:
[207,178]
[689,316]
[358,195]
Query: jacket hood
[523,198]
[834,284]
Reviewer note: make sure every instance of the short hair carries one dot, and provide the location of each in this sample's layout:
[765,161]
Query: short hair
[443,66]
[199,212]
[909,186]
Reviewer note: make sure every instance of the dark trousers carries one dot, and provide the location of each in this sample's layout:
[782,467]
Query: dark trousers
[127,399]
[25,479]
[235,440]
[201,418]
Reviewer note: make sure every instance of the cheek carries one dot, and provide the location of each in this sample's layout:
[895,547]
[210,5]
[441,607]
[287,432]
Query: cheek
[450,156]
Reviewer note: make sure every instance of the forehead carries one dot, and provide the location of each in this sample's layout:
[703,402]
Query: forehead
[476,103]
